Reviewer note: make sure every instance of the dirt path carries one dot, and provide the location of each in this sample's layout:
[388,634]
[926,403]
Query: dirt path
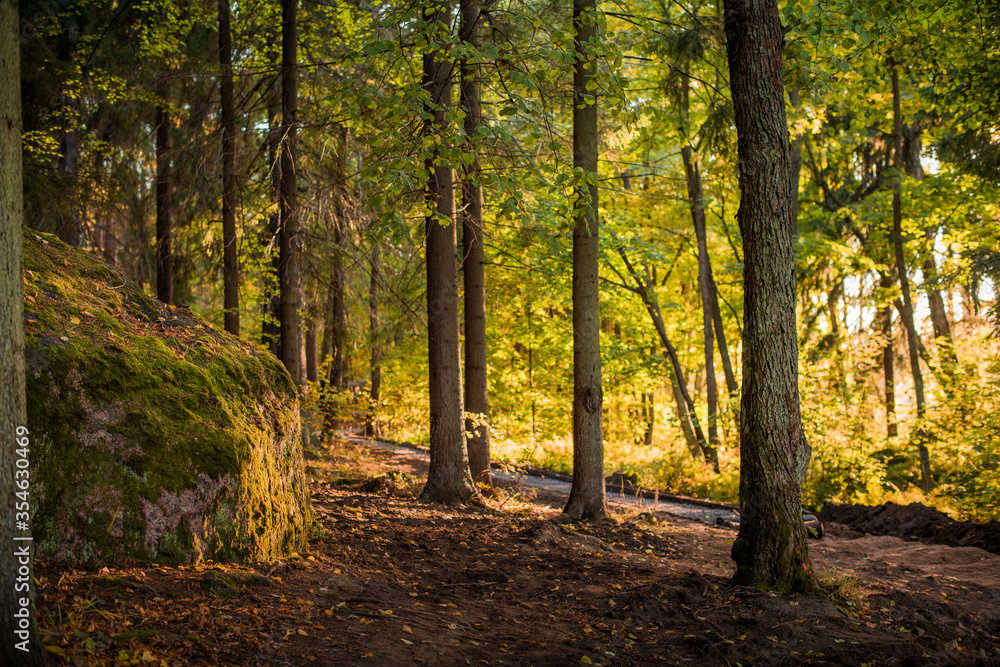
[389,581]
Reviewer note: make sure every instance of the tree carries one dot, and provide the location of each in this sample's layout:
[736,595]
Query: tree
[231,262]
[473,237]
[448,479]
[288,263]
[771,546]
[587,496]
[164,249]
[906,312]
[21,644]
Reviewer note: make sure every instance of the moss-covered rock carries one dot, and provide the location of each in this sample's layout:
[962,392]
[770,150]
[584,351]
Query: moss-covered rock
[154,435]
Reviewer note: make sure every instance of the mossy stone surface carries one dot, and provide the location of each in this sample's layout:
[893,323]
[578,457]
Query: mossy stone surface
[154,435]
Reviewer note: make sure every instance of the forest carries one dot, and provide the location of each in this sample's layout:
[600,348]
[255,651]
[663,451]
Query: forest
[741,251]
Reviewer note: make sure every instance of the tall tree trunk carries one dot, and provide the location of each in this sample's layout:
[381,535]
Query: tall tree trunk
[587,496]
[338,314]
[69,225]
[230,261]
[473,272]
[904,282]
[371,421]
[705,284]
[684,417]
[21,644]
[939,318]
[795,160]
[649,414]
[448,479]
[888,369]
[164,253]
[771,546]
[288,263]
[270,325]
[727,364]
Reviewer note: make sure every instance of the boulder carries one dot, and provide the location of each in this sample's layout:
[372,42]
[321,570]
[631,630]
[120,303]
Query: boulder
[154,435]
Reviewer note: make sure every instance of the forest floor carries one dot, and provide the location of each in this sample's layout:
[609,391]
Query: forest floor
[390,581]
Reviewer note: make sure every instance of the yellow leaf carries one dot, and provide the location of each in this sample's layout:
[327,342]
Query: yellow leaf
[407,630]
[406,641]
[587,661]
[303,632]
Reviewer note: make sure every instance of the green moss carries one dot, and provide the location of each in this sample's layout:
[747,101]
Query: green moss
[125,410]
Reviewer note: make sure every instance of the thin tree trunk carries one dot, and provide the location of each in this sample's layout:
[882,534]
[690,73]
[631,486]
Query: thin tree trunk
[448,479]
[270,325]
[312,353]
[705,285]
[164,256]
[684,417]
[727,364]
[587,496]
[646,292]
[473,272]
[650,415]
[338,314]
[69,223]
[21,644]
[231,263]
[904,283]
[795,160]
[888,369]
[371,422]
[771,546]
[288,263]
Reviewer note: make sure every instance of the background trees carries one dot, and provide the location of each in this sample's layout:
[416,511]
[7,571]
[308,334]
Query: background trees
[666,181]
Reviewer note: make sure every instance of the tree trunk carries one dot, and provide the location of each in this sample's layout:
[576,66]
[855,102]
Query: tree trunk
[312,353]
[448,479]
[371,421]
[795,160]
[288,263]
[727,364]
[684,417]
[648,295]
[473,272]
[771,548]
[69,224]
[164,256]
[888,369]
[231,262]
[338,314]
[906,312]
[650,415]
[270,328]
[587,496]
[705,284]
[21,644]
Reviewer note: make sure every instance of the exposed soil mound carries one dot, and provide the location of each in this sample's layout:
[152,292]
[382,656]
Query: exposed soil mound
[915,522]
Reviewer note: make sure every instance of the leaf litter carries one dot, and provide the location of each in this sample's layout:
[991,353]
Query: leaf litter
[390,581]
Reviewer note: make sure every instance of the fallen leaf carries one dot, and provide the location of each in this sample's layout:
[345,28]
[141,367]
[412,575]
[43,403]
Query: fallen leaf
[406,641]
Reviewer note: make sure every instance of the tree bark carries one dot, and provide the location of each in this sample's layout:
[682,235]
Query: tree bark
[771,548]
[164,256]
[906,312]
[705,285]
[371,421]
[448,479]
[473,272]
[338,314]
[888,368]
[21,644]
[270,325]
[587,496]
[230,261]
[312,353]
[288,263]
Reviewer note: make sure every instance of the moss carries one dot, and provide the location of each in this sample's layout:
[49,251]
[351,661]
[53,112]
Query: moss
[141,412]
